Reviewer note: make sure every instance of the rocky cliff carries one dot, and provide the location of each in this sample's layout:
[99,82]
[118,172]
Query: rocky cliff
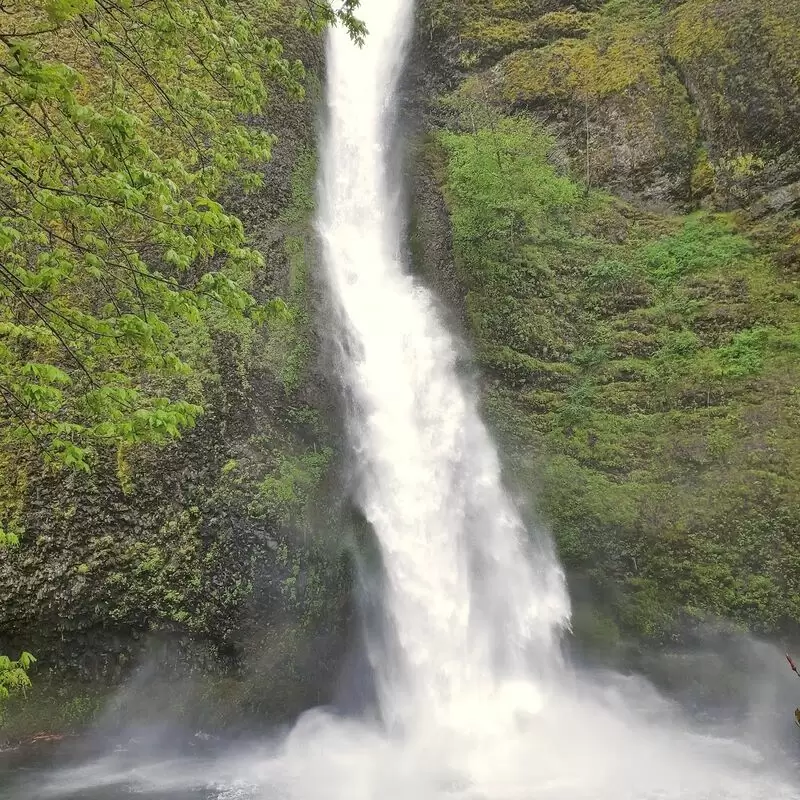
[621,186]
[213,571]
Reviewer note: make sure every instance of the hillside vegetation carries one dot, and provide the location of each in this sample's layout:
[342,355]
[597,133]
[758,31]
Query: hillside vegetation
[622,182]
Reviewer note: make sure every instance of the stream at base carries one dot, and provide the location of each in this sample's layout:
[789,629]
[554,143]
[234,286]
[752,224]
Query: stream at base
[615,739]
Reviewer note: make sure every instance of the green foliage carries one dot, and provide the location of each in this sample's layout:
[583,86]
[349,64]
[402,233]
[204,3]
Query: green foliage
[643,384]
[745,354]
[285,492]
[111,244]
[510,216]
[495,37]
[702,243]
[316,15]
[14,675]
[611,274]
[108,229]
[132,301]
[8,539]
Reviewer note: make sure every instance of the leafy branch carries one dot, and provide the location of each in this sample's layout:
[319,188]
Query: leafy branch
[14,674]
[111,244]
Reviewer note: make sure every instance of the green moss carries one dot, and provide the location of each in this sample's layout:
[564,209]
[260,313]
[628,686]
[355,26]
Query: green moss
[703,243]
[567,23]
[497,36]
[698,30]
[743,59]
[702,180]
[636,87]
[612,90]
[634,376]
[43,711]
[290,348]
[489,29]
[284,493]
[13,485]
[620,53]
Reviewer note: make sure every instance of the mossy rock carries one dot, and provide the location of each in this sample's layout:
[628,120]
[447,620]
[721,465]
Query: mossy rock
[741,60]
[674,377]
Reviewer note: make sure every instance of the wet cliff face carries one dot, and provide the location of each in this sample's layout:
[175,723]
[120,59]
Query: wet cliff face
[619,185]
[210,563]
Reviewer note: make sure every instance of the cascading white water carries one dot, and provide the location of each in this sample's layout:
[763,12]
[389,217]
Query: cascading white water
[476,605]
[431,483]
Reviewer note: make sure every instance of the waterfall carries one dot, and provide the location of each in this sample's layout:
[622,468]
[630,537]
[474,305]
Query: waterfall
[462,597]
[473,696]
